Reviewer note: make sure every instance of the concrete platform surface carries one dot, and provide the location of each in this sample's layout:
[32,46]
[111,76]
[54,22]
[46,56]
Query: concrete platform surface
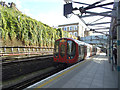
[95,72]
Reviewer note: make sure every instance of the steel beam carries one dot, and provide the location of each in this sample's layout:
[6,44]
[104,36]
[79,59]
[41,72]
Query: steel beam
[89,4]
[98,23]
[98,26]
[101,33]
[102,28]
[87,16]
[100,14]
[97,20]
[95,15]
[98,6]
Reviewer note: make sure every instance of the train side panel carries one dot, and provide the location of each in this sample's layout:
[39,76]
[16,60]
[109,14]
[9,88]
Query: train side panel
[68,50]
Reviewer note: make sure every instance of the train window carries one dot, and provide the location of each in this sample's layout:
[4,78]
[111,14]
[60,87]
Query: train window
[62,50]
[88,49]
[92,49]
[79,50]
[56,48]
[82,50]
[71,49]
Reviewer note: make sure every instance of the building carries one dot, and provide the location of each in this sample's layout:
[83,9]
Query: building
[77,29]
[3,4]
[9,5]
[71,28]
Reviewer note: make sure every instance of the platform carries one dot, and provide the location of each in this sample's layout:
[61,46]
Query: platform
[95,72]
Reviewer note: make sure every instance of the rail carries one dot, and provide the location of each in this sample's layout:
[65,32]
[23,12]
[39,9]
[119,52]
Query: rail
[23,50]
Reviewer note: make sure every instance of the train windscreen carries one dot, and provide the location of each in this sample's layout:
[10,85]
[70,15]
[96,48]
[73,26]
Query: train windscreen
[62,50]
[56,48]
[71,49]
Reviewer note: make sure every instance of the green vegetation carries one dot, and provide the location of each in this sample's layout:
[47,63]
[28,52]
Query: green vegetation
[17,29]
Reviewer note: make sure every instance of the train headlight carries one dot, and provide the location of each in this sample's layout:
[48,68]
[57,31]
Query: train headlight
[70,57]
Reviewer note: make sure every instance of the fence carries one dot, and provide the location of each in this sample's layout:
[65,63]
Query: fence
[12,51]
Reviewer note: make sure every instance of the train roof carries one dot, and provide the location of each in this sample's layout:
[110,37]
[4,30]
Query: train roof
[82,43]
[77,41]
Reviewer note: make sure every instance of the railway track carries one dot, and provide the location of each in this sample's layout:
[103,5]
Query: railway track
[37,78]
[22,59]
[18,74]
[34,77]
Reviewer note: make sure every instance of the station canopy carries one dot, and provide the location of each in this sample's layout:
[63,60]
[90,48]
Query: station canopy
[96,14]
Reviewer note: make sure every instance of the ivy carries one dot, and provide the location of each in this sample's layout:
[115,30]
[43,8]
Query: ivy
[17,26]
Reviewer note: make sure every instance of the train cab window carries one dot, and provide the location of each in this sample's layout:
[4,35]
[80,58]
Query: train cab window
[71,49]
[62,50]
[56,48]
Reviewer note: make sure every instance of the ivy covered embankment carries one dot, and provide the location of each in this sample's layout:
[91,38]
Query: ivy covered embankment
[17,29]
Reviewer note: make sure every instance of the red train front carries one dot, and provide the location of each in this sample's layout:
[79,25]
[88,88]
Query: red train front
[65,51]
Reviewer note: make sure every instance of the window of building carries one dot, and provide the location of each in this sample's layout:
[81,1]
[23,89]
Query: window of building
[65,28]
[75,27]
[70,28]
[75,33]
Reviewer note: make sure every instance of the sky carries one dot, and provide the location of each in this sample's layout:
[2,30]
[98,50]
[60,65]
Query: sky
[49,12]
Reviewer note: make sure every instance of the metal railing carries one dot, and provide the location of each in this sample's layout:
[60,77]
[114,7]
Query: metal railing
[23,50]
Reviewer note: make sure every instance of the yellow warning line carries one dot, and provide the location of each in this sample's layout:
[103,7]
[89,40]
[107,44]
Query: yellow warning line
[61,74]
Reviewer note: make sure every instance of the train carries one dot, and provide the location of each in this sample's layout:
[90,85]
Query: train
[70,51]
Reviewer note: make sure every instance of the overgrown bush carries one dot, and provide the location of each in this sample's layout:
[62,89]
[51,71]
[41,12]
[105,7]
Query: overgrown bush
[18,29]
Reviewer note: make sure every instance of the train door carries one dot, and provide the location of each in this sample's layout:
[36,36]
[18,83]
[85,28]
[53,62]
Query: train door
[71,49]
[90,51]
[62,54]
[79,49]
[85,51]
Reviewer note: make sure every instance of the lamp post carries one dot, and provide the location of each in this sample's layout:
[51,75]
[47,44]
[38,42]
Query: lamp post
[118,43]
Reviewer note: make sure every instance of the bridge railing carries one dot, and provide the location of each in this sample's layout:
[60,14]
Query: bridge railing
[23,50]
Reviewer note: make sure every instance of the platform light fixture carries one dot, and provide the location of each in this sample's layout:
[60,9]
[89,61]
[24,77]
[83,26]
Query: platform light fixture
[67,9]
